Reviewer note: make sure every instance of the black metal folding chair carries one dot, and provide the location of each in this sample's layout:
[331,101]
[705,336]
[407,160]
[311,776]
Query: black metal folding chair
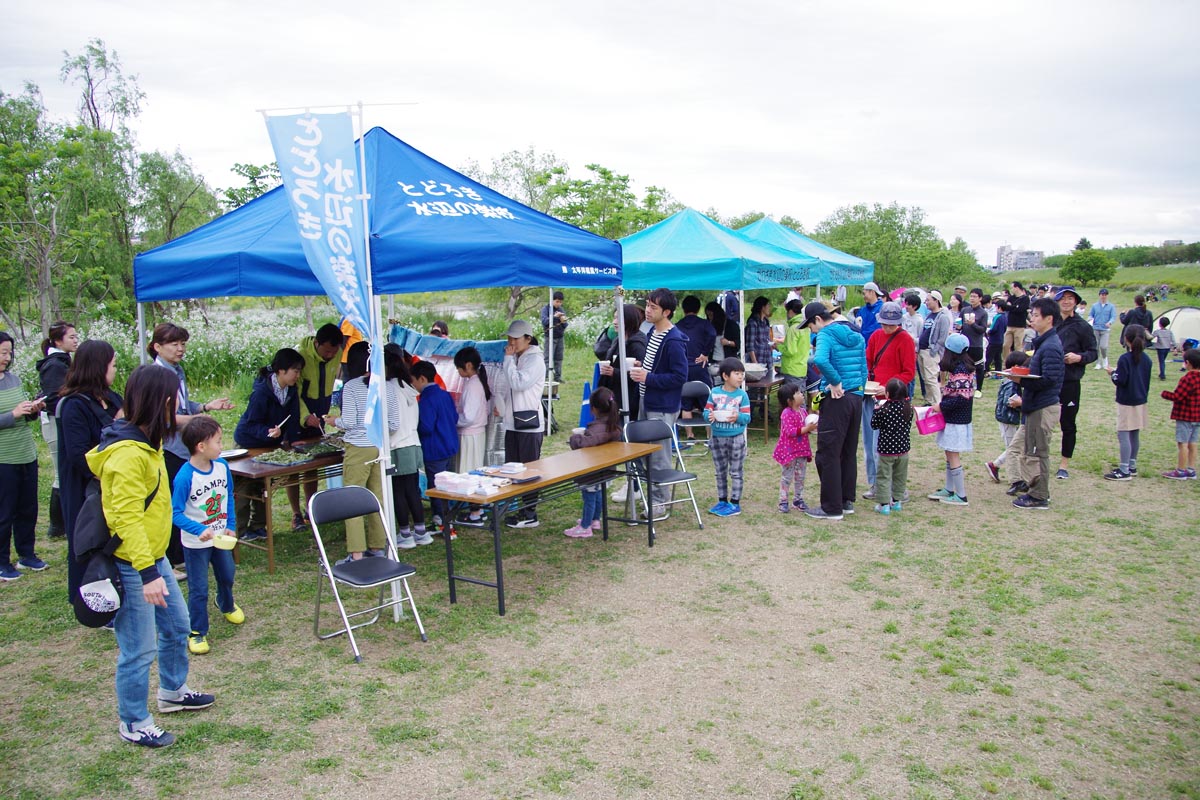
[655,430]
[694,395]
[338,505]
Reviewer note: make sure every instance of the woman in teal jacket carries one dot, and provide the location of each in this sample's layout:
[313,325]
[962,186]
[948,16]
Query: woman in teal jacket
[840,355]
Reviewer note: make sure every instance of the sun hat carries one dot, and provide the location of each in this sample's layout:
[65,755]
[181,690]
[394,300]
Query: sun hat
[997,295]
[519,328]
[1065,289]
[890,314]
[956,343]
[873,286]
[813,310]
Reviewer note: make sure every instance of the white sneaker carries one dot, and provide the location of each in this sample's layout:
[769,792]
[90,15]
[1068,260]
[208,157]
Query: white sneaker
[424,538]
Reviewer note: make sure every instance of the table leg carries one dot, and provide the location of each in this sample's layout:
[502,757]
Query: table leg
[604,511]
[449,563]
[268,492]
[499,560]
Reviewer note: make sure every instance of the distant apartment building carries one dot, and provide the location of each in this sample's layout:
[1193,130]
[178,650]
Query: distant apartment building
[1008,259]
[1173,243]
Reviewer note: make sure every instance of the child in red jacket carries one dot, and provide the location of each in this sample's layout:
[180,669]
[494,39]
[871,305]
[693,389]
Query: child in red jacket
[1185,410]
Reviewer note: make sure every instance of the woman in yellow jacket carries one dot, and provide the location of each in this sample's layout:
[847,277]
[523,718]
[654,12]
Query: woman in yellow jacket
[137,505]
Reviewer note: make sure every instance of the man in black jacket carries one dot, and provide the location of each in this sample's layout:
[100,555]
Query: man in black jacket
[1079,350]
[1039,402]
[1018,308]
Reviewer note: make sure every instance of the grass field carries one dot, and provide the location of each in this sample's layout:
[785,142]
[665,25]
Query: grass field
[938,653]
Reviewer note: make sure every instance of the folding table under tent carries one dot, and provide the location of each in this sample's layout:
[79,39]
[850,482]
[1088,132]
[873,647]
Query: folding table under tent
[836,267]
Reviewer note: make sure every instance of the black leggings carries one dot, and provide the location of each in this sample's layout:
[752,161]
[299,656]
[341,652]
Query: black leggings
[406,492]
[175,545]
[976,354]
[1069,397]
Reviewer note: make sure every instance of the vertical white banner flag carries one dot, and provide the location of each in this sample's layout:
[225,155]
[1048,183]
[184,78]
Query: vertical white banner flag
[320,172]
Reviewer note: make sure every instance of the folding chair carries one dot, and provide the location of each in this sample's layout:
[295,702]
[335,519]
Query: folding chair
[695,394]
[655,430]
[338,505]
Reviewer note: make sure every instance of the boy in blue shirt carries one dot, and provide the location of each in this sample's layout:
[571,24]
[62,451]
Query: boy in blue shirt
[437,426]
[200,501]
[728,413]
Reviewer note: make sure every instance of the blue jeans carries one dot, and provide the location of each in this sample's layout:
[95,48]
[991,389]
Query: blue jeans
[870,438]
[197,560]
[433,468]
[591,506]
[1162,362]
[143,630]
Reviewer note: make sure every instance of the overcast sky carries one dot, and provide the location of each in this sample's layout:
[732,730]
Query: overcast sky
[1027,122]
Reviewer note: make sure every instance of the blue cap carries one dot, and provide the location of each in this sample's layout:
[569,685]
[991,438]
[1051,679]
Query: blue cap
[957,343]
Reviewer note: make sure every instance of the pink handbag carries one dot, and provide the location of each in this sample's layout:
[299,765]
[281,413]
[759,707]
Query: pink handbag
[929,421]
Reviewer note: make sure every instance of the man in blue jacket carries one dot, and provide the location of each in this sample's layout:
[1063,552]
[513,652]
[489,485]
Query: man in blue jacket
[1039,402]
[661,377]
[840,355]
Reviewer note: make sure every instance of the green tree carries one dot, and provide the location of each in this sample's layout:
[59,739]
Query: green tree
[259,179]
[173,199]
[527,177]
[1083,244]
[1084,267]
[606,205]
[897,238]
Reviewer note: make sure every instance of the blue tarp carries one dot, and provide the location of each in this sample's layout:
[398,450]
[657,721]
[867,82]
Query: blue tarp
[836,267]
[432,229]
[425,346]
[688,250]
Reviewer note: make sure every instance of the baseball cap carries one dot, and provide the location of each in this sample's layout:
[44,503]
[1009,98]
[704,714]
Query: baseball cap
[873,286]
[1104,291]
[956,343]
[936,295]
[519,328]
[890,314]
[813,310]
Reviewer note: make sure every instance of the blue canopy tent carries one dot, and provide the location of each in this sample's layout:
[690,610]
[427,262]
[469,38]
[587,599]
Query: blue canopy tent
[432,229]
[687,250]
[836,267]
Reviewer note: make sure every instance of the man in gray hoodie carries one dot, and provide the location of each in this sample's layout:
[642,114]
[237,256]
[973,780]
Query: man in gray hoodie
[932,344]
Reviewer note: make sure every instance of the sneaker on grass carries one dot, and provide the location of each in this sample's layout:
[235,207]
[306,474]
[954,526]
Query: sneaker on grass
[1062,475]
[784,507]
[993,471]
[197,644]
[147,736]
[9,573]
[1177,475]
[847,508]
[733,509]
[256,535]
[816,512]
[939,494]
[32,563]
[522,522]
[186,701]
[1117,475]
[235,617]
[799,505]
[718,508]
[883,508]
[1028,501]
[954,500]
[422,537]
[405,542]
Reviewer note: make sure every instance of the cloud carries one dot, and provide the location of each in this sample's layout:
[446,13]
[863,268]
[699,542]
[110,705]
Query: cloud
[1024,122]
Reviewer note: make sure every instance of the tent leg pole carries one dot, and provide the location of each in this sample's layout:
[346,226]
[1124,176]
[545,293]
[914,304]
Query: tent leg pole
[141,325]
[742,326]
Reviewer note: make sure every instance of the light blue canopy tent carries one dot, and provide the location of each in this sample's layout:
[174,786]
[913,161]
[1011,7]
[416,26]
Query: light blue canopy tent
[432,229]
[687,250]
[836,267]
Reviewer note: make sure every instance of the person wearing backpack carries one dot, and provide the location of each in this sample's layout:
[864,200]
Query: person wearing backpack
[136,498]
